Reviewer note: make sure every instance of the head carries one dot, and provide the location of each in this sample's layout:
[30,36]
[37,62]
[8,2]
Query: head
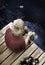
[18,27]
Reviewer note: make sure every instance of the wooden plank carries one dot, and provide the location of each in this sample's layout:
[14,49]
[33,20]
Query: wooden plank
[2,39]
[0,34]
[42,59]
[25,54]
[37,53]
[13,57]
[5,54]
[3,47]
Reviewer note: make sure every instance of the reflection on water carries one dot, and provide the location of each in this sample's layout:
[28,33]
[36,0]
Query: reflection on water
[40,37]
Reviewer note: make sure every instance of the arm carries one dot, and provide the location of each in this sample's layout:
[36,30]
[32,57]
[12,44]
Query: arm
[30,37]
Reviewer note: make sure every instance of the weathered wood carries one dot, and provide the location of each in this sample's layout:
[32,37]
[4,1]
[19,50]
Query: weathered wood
[7,57]
[29,51]
[42,59]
